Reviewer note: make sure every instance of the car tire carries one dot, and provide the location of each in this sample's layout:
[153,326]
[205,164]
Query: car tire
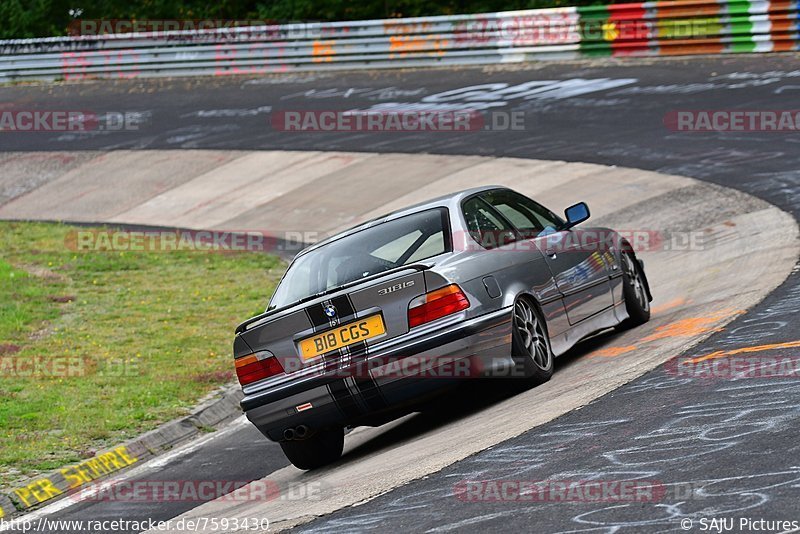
[321,449]
[634,291]
[530,344]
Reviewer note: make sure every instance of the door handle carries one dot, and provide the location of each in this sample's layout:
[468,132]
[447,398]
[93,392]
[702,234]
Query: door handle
[551,252]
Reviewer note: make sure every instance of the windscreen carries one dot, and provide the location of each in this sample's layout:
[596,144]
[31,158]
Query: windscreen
[367,252]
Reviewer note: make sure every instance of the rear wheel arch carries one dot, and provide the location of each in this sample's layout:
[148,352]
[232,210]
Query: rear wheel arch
[533,299]
[514,291]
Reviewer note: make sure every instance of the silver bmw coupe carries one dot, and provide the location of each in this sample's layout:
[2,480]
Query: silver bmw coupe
[370,322]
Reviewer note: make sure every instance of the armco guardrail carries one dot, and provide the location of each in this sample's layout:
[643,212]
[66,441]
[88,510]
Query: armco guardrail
[645,29]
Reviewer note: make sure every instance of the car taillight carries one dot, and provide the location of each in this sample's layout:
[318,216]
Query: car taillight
[256,367]
[436,304]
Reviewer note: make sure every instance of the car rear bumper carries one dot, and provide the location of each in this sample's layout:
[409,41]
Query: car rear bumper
[394,376]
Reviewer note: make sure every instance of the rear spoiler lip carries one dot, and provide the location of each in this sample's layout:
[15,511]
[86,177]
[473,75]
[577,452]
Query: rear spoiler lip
[414,266]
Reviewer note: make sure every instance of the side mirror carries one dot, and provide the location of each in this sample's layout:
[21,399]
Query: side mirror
[576,214]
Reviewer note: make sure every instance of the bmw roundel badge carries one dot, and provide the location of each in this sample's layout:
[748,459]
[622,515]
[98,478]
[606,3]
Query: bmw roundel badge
[330,310]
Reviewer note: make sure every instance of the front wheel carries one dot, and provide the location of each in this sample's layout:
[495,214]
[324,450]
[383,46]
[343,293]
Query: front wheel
[530,343]
[321,449]
[637,302]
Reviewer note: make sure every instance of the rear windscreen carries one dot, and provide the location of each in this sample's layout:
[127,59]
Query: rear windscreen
[367,252]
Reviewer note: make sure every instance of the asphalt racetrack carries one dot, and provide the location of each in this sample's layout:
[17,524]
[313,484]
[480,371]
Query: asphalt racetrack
[719,447]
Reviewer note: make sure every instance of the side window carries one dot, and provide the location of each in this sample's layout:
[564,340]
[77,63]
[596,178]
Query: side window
[530,218]
[485,225]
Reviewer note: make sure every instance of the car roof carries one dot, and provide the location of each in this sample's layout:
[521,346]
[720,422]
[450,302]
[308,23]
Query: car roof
[451,200]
